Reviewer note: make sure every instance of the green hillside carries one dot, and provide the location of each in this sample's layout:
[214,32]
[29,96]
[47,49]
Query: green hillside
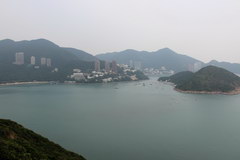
[232,67]
[19,143]
[209,79]
[62,59]
[84,56]
[178,78]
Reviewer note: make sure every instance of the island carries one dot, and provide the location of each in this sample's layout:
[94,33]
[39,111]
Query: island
[208,80]
[17,142]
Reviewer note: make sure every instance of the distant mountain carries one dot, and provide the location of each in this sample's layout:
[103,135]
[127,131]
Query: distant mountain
[233,67]
[84,56]
[61,58]
[163,57]
[40,48]
[17,142]
[208,79]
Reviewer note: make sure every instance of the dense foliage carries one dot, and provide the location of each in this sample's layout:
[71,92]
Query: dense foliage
[208,79]
[178,78]
[18,143]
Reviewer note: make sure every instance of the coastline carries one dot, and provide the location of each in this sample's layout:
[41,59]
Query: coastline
[234,92]
[23,83]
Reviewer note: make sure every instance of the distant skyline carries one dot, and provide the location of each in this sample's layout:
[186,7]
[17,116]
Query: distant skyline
[202,29]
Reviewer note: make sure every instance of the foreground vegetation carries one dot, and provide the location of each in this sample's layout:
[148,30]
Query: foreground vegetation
[19,143]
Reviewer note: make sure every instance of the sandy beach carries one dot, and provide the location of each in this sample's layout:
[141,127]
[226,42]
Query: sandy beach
[24,83]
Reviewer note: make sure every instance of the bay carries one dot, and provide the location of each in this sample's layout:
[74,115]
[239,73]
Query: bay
[128,120]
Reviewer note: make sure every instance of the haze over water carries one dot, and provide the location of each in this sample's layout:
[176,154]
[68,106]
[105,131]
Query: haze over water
[128,121]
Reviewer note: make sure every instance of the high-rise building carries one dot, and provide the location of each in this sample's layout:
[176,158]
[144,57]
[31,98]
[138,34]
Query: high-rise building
[138,65]
[114,66]
[33,60]
[131,63]
[107,66]
[43,61]
[97,65]
[19,58]
[49,62]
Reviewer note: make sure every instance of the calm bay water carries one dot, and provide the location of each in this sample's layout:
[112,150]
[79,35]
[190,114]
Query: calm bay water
[128,121]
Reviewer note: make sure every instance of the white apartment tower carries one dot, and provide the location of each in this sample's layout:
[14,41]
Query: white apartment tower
[97,65]
[33,60]
[107,66]
[43,61]
[19,58]
[49,62]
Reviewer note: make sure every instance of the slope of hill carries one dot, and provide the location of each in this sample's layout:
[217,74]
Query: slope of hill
[163,57]
[62,59]
[210,79]
[84,56]
[19,143]
[178,78]
[233,67]
[38,48]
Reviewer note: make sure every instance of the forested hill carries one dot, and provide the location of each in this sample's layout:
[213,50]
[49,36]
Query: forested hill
[38,48]
[209,79]
[61,58]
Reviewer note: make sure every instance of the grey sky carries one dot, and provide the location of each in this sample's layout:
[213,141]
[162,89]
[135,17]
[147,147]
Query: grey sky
[203,29]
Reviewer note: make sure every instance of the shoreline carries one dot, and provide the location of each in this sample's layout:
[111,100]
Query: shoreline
[66,82]
[24,83]
[234,92]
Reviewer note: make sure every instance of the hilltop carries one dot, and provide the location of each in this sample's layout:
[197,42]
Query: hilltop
[210,79]
[17,142]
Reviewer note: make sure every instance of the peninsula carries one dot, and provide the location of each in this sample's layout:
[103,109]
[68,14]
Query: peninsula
[208,80]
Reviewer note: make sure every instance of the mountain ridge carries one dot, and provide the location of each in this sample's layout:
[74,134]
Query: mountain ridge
[64,55]
[156,59]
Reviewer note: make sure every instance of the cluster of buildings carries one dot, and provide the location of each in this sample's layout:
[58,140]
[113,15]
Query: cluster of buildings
[19,60]
[108,66]
[137,65]
[108,74]
[158,72]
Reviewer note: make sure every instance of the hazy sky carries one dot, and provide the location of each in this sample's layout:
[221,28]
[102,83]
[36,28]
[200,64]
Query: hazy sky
[203,29]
